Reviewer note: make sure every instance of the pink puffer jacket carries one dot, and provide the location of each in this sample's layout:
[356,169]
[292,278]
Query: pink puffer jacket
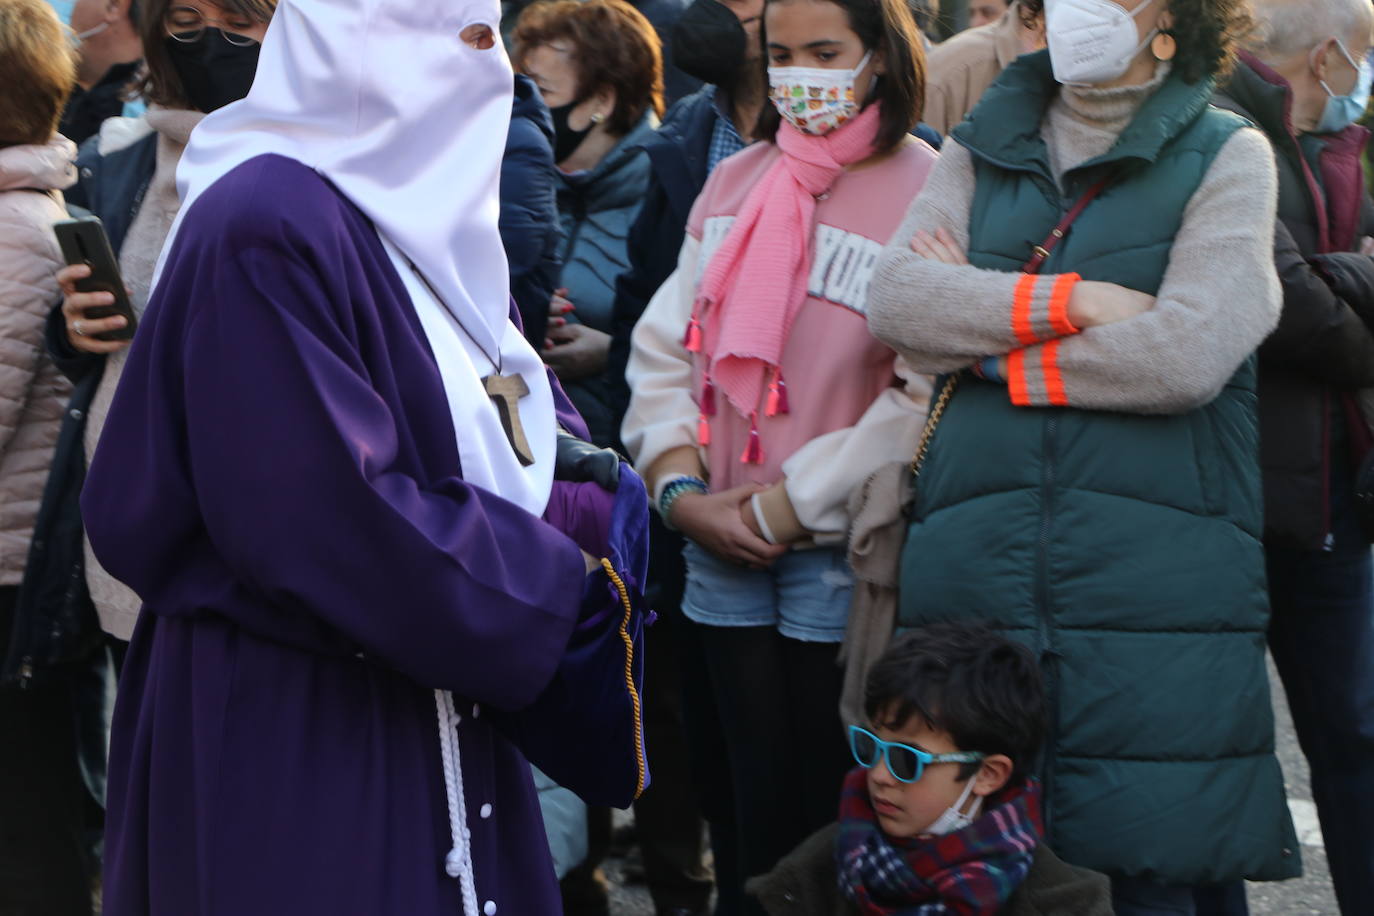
[32,392]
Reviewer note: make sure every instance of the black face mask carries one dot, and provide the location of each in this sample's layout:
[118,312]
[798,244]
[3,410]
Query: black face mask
[709,43]
[213,72]
[565,139]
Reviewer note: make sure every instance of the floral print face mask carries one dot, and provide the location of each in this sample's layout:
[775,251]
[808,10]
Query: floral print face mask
[815,100]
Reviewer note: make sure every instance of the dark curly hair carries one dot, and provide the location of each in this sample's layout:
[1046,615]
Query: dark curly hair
[1207,32]
[965,679]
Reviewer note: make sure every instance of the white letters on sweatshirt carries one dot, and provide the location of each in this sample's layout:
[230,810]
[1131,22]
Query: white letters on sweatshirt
[842,266]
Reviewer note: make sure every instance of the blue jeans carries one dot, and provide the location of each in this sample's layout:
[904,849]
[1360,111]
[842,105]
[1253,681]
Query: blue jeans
[804,594]
[1322,639]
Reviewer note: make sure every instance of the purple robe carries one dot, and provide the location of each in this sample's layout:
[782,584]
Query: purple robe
[279,481]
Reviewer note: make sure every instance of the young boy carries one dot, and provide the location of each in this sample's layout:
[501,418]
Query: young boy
[941,816]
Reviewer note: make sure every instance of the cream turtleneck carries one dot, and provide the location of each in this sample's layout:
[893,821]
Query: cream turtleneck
[1084,123]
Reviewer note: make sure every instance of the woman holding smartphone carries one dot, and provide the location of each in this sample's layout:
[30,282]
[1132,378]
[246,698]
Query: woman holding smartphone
[200,56]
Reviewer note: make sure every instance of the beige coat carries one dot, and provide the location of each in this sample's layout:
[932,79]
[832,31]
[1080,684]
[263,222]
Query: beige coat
[32,392]
[961,69]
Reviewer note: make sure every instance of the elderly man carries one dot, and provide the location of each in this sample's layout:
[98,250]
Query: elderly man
[1304,80]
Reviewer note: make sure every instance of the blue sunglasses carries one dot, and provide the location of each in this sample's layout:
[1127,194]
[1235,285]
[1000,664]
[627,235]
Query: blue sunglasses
[904,762]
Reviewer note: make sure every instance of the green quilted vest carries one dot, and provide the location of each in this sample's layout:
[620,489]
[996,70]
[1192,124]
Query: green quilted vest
[1124,549]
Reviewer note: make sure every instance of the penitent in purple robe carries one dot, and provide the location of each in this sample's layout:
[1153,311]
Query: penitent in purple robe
[279,480]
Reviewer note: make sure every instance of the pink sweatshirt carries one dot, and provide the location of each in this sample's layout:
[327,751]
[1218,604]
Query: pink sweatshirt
[836,372]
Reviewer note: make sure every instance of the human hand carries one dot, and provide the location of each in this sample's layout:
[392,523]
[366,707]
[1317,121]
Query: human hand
[575,351]
[941,247]
[1367,245]
[559,306]
[715,521]
[81,330]
[1092,304]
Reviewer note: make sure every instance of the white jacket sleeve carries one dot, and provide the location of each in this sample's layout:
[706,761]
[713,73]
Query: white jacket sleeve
[663,410]
[821,475]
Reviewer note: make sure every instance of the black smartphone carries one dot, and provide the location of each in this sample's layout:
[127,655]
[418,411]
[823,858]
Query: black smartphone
[83,241]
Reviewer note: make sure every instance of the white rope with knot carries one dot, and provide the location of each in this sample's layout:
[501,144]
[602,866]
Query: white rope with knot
[458,862]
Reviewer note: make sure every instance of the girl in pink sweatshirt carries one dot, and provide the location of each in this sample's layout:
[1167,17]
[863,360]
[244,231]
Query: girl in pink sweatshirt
[760,400]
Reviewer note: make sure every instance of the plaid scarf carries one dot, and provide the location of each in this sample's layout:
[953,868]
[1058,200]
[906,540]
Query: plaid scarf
[972,872]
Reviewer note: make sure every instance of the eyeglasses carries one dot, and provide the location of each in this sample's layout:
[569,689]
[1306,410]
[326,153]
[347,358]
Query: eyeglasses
[904,762]
[187,24]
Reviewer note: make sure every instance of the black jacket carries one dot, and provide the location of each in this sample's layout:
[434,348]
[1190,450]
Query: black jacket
[1323,348]
[87,109]
[677,172]
[529,209]
[55,621]
[663,15]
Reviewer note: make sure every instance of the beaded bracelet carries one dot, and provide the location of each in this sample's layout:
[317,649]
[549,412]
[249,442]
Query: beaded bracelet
[674,490]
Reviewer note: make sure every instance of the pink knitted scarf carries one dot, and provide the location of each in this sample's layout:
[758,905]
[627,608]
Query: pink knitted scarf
[757,280]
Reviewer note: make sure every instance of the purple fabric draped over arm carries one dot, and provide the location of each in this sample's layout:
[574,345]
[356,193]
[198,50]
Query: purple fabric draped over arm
[271,457]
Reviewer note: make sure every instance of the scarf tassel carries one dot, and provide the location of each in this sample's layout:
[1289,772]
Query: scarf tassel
[777,395]
[703,430]
[708,399]
[753,452]
[692,339]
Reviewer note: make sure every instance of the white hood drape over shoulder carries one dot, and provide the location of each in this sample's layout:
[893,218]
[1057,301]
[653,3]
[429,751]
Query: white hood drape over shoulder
[409,122]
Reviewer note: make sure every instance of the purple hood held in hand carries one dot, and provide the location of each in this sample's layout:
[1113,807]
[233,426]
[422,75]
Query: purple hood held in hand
[586,730]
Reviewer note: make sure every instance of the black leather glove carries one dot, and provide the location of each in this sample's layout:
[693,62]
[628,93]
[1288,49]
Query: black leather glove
[579,461]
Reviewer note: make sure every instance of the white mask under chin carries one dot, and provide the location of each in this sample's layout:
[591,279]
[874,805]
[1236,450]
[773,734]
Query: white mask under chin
[954,817]
[1092,41]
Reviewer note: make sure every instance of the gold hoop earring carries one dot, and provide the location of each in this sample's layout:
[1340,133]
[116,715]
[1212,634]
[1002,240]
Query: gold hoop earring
[598,117]
[1163,47]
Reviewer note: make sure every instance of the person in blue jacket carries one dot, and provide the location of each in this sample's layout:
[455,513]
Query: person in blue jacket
[598,65]
[529,209]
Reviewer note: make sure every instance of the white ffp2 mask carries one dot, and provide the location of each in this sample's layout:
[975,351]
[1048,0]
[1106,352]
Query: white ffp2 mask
[954,818]
[1092,41]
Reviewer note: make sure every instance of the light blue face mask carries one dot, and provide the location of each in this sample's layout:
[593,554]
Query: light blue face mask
[1343,110]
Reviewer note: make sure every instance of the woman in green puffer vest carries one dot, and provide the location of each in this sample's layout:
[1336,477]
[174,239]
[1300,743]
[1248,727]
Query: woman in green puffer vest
[1093,486]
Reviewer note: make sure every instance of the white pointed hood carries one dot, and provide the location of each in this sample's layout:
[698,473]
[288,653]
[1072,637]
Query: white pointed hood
[409,122]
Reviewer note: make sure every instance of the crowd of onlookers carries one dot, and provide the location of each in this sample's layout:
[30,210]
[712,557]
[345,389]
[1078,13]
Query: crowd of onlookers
[1049,340]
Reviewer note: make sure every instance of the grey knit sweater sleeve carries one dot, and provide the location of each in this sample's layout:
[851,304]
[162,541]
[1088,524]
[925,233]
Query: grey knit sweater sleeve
[1219,298]
[941,317]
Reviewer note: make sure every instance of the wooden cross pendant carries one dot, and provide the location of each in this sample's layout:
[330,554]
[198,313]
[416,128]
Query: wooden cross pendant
[505,392]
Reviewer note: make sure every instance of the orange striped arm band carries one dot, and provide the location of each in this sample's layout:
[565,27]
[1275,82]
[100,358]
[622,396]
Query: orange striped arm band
[1040,308]
[1034,378]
